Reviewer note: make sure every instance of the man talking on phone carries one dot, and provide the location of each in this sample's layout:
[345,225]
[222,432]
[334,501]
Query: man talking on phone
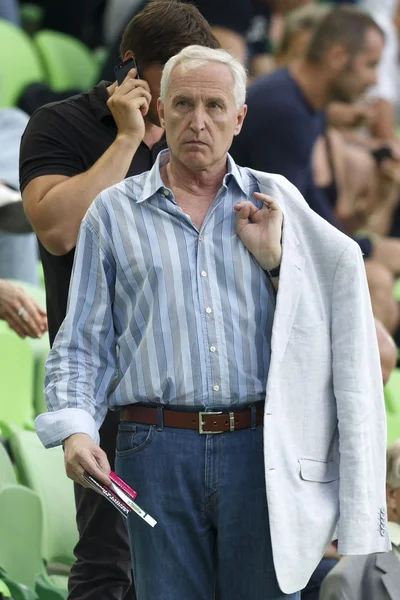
[70,152]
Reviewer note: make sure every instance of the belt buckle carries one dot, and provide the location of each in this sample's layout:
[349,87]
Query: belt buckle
[202,423]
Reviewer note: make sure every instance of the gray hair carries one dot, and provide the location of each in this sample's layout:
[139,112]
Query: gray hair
[393,465]
[196,57]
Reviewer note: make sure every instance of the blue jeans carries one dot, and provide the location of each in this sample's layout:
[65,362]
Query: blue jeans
[207,493]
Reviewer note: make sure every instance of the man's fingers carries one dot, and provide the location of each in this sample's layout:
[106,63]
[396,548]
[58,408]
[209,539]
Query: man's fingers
[15,324]
[86,461]
[32,317]
[102,461]
[266,200]
[131,83]
[245,210]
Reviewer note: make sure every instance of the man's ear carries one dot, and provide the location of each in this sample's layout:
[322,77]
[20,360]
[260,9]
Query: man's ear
[160,108]
[240,118]
[128,54]
[338,57]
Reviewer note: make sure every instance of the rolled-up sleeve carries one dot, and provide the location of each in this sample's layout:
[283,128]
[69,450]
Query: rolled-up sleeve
[82,362]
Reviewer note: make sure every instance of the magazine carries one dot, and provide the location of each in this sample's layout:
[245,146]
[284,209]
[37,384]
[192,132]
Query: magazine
[120,495]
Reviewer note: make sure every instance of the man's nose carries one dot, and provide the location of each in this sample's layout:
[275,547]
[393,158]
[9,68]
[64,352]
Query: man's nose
[198,120]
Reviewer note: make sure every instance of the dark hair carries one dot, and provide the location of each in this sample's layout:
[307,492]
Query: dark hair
[162,29]
[345,25]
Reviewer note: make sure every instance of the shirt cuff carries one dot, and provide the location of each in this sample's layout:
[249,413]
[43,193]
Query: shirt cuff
[54,427]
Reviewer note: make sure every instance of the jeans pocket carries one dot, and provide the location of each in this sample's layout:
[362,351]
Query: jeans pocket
[133,437]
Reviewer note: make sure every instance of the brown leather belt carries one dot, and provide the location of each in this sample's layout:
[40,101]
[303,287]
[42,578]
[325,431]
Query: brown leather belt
[203,422]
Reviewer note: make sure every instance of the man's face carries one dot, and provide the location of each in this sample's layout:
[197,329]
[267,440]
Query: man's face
[200,115]
[152,75]
[359,73]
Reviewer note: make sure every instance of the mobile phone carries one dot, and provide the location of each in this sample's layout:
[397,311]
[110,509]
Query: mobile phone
[122,70]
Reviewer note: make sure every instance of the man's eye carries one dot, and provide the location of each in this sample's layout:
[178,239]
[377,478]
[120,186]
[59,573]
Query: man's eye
[214,105]
[182,103]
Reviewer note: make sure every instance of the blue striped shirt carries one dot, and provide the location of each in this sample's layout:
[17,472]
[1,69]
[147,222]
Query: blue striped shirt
[158,311]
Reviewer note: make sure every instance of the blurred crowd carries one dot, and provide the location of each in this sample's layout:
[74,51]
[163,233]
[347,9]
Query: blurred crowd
[327,120]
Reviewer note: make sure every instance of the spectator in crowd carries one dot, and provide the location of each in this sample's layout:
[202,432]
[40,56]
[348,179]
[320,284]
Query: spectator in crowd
[287,108]
[70,152]
[386,91]
[173,290]
[375,577]
[20,311]
[241,27]
[18,246]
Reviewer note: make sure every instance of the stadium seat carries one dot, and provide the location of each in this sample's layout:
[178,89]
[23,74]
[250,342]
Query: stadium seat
[43,471]
[7,473]
[21,566]
[21,534]
[392,404]
[392,393]
[40,373]
[16,381]
[19,63]
[67,62]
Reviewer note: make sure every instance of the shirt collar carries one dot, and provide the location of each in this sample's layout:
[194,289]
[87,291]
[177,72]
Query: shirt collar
[155,184]
[394,533]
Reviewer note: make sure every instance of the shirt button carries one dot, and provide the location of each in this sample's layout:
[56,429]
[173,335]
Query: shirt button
[213,348]
[208,310]
[216,388]
[201,238]
[204,273]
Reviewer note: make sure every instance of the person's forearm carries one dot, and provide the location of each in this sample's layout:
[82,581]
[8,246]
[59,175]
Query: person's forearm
[58,216]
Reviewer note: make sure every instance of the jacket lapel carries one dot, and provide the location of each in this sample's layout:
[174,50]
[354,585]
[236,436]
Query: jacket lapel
[390,565]
[290,279]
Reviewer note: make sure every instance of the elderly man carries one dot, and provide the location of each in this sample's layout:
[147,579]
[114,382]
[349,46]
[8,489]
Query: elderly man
[231,409]
[372,577]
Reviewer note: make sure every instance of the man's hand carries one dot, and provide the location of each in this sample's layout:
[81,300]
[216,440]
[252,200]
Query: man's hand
[81,455]
[21,311]
[261,230]
[129,104]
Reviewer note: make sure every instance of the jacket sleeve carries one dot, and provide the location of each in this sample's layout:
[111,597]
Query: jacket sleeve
[358,389]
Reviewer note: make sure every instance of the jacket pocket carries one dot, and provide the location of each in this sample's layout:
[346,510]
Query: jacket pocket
[319,470]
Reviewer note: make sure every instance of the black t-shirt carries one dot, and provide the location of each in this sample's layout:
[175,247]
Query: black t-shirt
[67,138]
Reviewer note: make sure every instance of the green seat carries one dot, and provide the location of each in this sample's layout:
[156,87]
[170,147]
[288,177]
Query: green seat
[392,393]
[39,396]
[16,381]
[21,534]
[7,473]
[392,404]
[19,63]
[43,471]
[393,428]
[21,565]
[67,62]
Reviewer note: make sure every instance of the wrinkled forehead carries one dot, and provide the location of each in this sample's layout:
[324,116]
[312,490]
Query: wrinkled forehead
[215,79]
